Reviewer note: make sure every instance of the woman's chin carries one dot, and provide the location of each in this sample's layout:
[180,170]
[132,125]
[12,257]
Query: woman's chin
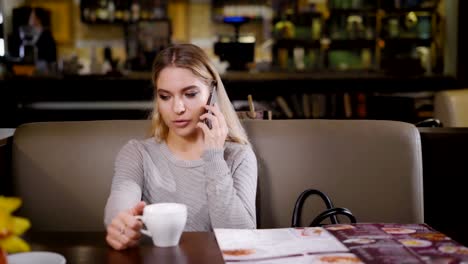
[186,131]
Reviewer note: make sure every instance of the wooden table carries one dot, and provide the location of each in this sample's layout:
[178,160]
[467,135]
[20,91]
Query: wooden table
[386,243]
[91,247]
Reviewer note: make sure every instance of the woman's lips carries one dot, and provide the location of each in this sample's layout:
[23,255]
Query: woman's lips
[181,123]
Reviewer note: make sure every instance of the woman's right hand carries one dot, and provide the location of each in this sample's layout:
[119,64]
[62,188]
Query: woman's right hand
[124,230]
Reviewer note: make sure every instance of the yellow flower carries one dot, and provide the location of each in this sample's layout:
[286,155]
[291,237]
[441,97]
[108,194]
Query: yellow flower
[12,227]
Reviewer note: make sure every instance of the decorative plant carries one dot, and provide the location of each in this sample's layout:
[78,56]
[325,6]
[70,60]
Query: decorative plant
[11,227]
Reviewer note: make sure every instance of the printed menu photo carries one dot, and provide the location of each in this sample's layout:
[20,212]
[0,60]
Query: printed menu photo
[360,243]
[399,243]
[318,258]
[283,245]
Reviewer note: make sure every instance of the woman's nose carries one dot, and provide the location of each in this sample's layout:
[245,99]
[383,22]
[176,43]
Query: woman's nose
[179,106]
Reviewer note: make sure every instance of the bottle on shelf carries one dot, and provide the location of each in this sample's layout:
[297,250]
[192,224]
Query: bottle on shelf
[285,28]
[111,10]
[135,11]
[119,10]
[102,12]
[316,28]
[158,9]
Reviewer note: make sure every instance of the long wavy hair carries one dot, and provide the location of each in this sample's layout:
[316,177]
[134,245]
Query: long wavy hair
[193,58]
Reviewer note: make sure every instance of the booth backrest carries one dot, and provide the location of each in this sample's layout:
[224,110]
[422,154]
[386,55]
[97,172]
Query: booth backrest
[63,170]
[451,107]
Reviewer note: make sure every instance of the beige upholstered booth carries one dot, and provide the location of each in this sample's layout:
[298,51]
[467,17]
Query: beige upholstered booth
[63,170]
[451,107]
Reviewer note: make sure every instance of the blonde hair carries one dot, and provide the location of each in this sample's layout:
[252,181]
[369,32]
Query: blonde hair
[193,58]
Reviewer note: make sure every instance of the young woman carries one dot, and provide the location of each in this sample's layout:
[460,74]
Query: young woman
[212,171]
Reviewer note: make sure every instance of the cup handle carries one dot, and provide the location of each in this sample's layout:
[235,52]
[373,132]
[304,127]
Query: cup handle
[143,231]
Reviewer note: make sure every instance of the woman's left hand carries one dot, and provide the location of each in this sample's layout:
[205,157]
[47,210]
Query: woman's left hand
[216,136]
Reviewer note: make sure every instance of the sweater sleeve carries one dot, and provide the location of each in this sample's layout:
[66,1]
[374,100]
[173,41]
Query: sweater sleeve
[231,194]
[126,188]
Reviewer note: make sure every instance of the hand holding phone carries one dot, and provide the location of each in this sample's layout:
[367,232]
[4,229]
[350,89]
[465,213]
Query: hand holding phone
[211,101]
[213,124]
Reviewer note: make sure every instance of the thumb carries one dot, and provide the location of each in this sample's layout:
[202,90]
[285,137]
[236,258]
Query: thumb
[138,208]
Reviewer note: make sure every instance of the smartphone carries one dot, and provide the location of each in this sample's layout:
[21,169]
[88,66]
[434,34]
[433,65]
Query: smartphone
[211,101]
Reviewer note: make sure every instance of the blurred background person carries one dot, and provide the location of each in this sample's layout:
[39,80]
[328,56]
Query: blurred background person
[31,40]
[46,46]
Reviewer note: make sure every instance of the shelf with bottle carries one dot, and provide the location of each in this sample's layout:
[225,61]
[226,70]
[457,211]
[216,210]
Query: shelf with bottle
[352,43]
[405,41]
[289,43]
[408,29]
[122,11]
[353,11]
[405,11]
[325,43]
[407,36]
[350,27]
[352,4]
[323,53]
[405,6]
[255,11]
[410,21]
[297,41]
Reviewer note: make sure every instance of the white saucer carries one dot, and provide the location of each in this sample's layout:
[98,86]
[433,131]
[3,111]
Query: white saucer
[36,257]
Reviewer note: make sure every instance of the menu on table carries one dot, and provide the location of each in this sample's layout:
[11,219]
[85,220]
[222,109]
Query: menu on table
[342,243]
[283,245]
[399,243]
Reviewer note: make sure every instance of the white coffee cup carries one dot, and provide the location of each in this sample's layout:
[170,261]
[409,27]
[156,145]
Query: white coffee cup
[164,223]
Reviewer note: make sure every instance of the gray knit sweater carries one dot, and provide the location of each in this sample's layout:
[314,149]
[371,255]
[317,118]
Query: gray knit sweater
[219,189]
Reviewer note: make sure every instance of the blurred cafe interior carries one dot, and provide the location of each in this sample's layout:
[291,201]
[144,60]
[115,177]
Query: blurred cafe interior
[343,59]
[397,60]
[298,59]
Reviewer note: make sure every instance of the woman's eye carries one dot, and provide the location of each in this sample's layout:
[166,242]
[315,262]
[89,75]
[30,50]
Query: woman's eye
[164,97]
[191,95]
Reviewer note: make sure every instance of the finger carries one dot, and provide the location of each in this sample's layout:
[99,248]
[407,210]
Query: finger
[210,108]
[117,230]
[115,234]
[133,232]
[114,243]
[118,222]
[206,116]
[212,118]
[133,235]
[131,222]
[123,238]
[116,239]
[216,111]
[138,208]
[219,118]
[206,131]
